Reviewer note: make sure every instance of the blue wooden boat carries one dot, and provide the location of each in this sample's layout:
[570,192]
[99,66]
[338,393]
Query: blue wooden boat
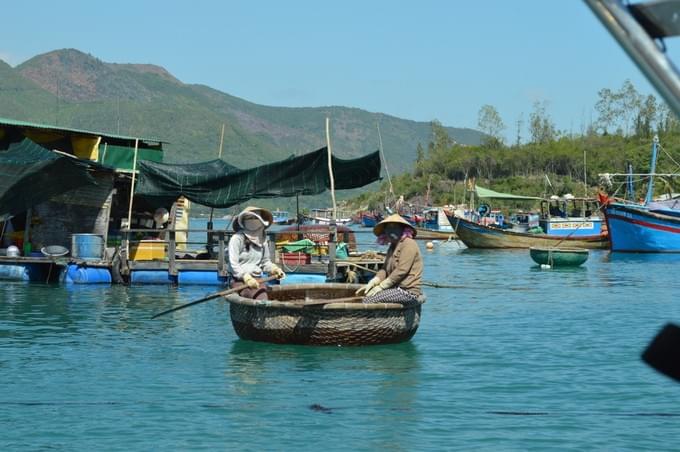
[649,227]
[369,220]
[281,217]
[636,228]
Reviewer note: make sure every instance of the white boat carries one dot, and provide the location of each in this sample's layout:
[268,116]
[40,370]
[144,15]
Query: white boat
[324,216]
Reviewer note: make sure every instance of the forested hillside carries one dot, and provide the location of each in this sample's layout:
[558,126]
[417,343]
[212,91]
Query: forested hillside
[551,161]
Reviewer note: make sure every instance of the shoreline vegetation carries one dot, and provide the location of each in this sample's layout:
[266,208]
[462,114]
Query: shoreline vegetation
[550,162]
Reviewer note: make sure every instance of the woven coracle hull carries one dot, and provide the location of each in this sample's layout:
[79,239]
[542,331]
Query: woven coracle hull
[330,324]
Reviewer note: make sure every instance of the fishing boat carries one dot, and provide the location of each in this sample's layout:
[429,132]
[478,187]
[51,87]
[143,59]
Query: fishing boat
[435,225]
[559,257]
[369,220]
[282,217]
[324,216]
[322,314]
[562,219]
[429,234]
[481,236]
[652,226]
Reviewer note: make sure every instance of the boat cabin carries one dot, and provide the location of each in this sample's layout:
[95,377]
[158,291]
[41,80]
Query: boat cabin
[570,215]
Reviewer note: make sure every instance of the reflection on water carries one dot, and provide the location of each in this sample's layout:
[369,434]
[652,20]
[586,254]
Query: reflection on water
[85,367]
[643,258]
[29,311]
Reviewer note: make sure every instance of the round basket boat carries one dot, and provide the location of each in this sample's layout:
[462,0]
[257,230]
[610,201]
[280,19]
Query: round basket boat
[559,257]
[307,314]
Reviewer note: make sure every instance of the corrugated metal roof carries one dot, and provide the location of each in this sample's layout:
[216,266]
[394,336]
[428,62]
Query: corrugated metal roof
[33,125]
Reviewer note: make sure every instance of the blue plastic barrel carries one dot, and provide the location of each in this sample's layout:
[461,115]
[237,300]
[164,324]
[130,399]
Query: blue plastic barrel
[197,277]
[87,246]
[151,277]
[76,274]
[10,272]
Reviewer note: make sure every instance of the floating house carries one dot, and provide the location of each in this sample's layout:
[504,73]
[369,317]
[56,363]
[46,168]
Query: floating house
[61,193]
[85,207]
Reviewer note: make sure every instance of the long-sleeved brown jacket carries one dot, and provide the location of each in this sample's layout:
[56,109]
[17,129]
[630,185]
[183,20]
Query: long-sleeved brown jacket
[403,266]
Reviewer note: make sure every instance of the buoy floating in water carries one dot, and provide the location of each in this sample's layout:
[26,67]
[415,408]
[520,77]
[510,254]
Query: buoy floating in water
[429,245]
[546,266]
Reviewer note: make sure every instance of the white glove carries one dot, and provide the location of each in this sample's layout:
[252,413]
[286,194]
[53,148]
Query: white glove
[365,289]
[250,281]
[277,272]
[386,284]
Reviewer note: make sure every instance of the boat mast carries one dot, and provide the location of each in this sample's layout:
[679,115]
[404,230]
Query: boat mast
[629,183]
[652,170]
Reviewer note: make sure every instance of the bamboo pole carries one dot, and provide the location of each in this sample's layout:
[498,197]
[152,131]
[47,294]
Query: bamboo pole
[332,269]
[382,154]
[330,167]
[221,142]
[212,210]
[132,185]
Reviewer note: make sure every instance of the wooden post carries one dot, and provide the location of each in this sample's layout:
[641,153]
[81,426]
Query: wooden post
[210,222]
[27,232]
[221,267]
[172,246]
[332,269]
[330,168]
[132,185]
[124,251]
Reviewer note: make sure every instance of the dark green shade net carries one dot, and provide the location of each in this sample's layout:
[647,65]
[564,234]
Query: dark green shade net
[217,184]
[31,174]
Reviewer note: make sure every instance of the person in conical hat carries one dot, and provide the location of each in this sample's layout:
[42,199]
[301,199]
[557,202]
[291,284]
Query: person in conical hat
[248,252]
[400,277]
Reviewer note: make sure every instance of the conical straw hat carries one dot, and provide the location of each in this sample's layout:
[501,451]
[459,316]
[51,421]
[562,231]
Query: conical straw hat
[395,218]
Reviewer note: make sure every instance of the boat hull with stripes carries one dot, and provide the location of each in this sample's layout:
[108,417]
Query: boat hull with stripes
[479,236]
[637,229]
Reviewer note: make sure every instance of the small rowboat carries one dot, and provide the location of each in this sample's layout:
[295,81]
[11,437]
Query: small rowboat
[559,257]
[322,314]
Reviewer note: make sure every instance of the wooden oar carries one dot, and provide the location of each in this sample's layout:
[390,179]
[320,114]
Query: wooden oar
[212,296]
[333,300]
[424,283]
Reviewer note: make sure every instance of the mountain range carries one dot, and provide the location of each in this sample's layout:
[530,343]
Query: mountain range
[70,88]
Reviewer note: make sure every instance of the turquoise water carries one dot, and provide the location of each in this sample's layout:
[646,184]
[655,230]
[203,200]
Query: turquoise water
[517,358]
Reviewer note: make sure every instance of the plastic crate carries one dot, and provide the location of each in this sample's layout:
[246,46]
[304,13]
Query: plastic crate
[296,258]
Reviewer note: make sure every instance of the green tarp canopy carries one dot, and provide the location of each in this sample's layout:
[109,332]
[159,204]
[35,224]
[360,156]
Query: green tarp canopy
[217,184]
[31,174]
[486,193]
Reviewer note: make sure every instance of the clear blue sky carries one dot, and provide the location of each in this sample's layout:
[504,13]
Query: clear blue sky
[417,60]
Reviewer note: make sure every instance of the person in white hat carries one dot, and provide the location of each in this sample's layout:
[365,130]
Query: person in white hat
[400,277]
[249,254]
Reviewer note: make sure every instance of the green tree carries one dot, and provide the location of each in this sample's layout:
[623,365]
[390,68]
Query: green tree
[630,103]
[420,159]
[646,117]
[541,127]
[607,109]
[491,123]
[667,122]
